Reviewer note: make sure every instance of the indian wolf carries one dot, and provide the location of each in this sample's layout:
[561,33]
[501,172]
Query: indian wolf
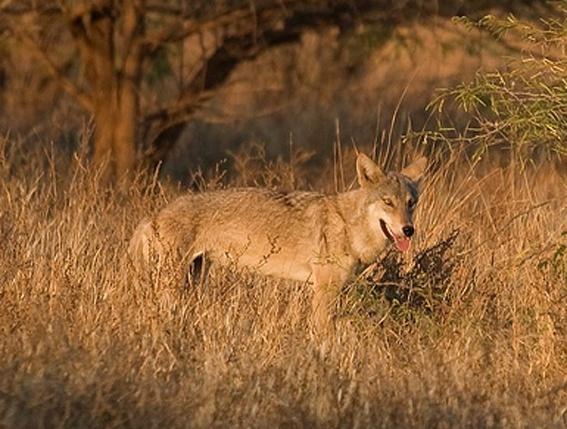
[306,236]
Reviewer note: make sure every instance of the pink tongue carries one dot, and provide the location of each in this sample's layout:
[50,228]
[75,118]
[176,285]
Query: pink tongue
[403,244]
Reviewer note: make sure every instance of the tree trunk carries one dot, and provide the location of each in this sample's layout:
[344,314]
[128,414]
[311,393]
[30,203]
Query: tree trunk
[125,131]
[103,118]
[116,125]
[113,75]
[127,97]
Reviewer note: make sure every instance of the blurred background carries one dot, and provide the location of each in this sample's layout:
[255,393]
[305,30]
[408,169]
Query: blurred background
[467,330]
[185,84]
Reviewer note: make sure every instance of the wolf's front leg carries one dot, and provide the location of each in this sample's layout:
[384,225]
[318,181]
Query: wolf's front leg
[329,279]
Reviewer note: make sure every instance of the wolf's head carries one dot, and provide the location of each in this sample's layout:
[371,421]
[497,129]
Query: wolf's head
[390,199]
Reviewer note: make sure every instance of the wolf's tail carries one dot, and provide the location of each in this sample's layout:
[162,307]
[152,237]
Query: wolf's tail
[140,245]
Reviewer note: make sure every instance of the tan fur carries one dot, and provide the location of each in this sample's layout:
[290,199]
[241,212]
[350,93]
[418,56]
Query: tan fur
[304,236]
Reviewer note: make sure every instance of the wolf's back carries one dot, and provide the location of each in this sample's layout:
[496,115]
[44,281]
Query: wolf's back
[241,221]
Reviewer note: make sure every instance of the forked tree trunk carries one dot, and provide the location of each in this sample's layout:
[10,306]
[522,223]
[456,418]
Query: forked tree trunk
[127,91]
[113,78]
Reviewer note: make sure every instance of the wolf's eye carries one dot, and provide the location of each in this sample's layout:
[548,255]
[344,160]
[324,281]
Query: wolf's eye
[411,203]
[388,201]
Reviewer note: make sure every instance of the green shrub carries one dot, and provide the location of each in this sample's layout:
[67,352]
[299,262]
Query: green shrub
[523,106]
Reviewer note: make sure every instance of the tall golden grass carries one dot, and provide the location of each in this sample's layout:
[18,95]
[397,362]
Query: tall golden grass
[84,343]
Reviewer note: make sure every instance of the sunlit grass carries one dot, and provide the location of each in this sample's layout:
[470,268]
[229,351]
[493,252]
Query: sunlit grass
[84,343]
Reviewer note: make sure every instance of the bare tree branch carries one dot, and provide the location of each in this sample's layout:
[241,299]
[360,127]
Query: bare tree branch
[20,9]
[83,98]
[180,110]
[133,31]
[161,9]
[185,27]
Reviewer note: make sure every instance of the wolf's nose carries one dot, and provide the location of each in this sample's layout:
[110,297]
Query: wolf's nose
[408,230]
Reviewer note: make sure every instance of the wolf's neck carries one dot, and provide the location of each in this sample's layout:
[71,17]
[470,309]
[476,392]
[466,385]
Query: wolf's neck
[364,245]
[350,206]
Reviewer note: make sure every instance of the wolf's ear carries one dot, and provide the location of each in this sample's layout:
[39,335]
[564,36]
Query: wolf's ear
[369,173]
[415,170]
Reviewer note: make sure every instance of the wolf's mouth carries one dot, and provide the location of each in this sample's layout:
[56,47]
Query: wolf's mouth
[386,231]
[402,243]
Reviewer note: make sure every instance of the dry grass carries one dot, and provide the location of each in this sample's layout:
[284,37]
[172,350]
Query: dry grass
[84,345]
